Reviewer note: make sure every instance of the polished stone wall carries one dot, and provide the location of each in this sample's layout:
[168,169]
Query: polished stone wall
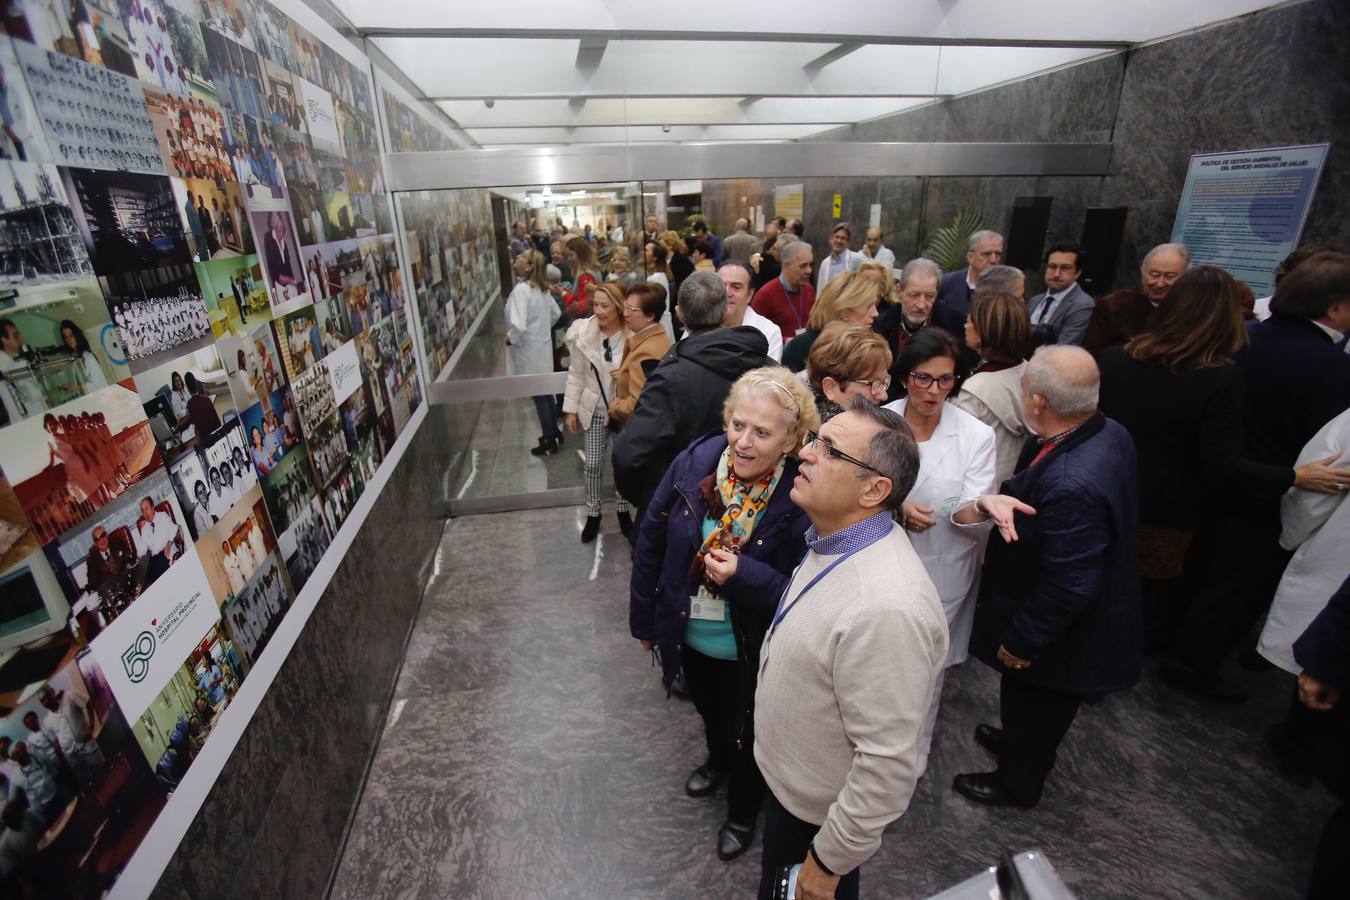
[1268,79]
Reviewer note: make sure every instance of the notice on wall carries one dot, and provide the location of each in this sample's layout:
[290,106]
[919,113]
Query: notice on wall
[344,371]
[1244,210]
[874,216]
[787,201]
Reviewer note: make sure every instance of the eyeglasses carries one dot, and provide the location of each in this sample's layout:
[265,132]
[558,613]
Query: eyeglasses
[875,385]
[632,309]
[923,380]
[609,353]
[818,443]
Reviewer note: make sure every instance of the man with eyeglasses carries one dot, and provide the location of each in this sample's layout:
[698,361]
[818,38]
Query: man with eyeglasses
[108,568]
[1124,314]
[1060,314]
[850,659]
[916,295]
[985,249]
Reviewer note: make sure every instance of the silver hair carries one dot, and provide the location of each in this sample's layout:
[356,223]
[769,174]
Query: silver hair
[1067,377]
[783,239]
[552,273]
[789,250]
[742,224]
[1001,279]
[921,265]
[892,451]
[980,235]
[703,301]
[1176,248]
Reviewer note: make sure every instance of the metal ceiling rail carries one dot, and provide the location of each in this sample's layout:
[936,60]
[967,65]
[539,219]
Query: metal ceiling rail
[579,164]
[565,34]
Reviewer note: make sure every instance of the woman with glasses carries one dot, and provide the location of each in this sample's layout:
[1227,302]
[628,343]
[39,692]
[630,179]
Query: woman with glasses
[850,298]
[999,329]
[957,459]
[847,361]
[646,342]
[595,346]
[718,544]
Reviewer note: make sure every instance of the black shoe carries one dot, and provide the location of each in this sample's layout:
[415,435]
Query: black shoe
[1251,660]
[677,688]
[733,840]
[1210,685]
[989,737]
[986,789]
[1290,760]
[626,523]
[703,781]
[547,447]
[591,530]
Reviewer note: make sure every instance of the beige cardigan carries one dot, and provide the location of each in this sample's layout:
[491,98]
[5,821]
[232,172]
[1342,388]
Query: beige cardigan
[995,398]
[844,685]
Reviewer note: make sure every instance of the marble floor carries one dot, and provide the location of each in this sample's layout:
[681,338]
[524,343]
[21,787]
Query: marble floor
[531,752]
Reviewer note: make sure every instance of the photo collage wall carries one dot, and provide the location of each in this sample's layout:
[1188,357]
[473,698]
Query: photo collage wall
[205,355]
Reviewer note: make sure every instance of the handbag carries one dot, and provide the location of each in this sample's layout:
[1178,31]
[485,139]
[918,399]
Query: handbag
[612,425]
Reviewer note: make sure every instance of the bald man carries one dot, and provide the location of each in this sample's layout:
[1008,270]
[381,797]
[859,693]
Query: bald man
[740,243]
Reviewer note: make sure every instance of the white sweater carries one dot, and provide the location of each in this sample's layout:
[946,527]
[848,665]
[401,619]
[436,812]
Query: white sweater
[844,685]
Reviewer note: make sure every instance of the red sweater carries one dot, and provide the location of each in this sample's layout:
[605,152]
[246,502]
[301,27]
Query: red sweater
[788,311]
[578,305]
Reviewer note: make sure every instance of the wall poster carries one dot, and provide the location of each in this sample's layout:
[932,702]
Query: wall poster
[787,200]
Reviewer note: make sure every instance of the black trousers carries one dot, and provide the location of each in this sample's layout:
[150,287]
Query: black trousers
[786,839]
[1237,580]
[715,687]
[1035,720]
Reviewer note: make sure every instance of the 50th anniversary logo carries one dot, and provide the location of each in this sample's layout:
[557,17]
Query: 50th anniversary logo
[136,658]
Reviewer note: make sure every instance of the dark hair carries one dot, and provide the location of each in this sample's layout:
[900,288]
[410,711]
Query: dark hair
[651,297]
[1200,325]
[1298,258]
[1310,290]
[191,381]
[702,247]
[842,226]
[700,226]
[893,452]
[928,343]
[1067,247]
[81,342]
[780,221]
[6,326]
[1003,324]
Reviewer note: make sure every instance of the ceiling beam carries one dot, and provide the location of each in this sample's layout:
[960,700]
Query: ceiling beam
[717,95]
[590,51]
[573,34]
[671,122]
[830,56]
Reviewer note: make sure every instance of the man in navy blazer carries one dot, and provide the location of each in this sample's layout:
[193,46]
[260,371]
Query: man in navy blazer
[984,250]
[1060,314]
[1297,380]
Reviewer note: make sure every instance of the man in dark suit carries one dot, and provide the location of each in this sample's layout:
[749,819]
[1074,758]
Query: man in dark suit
[1060,314]
[108,569]
[1123,314]
[916,307]
[1297,380]
[1059,611]
[984,250]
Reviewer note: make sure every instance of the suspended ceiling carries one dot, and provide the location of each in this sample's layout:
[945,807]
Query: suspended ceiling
[543,72]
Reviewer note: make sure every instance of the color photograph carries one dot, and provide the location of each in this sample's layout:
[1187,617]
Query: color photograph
[21,138]
[129,222]
[72,461]
[217,225]
[271,431]
[299,340]
[274,234]
[235,295]
[235,548]
[255,371]
[191,134]
[186,400]
[288,488]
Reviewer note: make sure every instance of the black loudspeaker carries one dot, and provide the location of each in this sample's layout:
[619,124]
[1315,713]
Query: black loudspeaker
[1103,230]
[1026,234]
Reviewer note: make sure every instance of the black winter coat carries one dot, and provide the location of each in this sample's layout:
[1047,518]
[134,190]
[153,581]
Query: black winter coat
[1065,595]
[682,400]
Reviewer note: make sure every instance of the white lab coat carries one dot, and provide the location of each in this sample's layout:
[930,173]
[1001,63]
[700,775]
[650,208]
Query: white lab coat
[530,314]
[1318,525]
[824,271]
[957,464]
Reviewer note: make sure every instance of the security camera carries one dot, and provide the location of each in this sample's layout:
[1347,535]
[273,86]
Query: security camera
[489,103]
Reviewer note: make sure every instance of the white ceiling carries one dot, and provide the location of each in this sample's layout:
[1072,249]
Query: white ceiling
[624,71]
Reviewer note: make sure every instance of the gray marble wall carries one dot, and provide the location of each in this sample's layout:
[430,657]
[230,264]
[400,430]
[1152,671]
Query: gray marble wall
[1269,79]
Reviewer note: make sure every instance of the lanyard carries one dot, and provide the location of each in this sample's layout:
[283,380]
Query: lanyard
[788,292]
[784,607]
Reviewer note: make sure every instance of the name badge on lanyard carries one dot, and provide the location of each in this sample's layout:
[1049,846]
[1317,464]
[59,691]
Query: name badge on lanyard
[707,608]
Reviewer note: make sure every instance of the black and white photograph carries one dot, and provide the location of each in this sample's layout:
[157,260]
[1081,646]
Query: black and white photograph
[313,392]
[303,544]
[288,487]
[157,312]
[128,221]
[40,241]
[328,448]
[255,611]
[21,137]
[114,556]
[93,117]
[212,477]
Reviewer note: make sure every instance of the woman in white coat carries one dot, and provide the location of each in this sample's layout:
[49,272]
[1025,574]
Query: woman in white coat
[957,461]
[530,314]
[1317,529]
[595,345]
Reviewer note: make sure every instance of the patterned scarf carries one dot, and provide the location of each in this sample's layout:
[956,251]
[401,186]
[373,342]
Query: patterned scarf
[736,506]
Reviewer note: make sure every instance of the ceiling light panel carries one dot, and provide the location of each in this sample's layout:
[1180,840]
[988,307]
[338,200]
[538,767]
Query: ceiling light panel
[672,111]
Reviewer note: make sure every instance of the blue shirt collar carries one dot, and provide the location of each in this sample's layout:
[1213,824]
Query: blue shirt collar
[857,535]
[787,287]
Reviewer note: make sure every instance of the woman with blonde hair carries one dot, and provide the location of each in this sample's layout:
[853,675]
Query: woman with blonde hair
[680,263]
[587,271]
[716,549]
[621,267]
[847,361]
[850,298]
[884,276]
[530,316]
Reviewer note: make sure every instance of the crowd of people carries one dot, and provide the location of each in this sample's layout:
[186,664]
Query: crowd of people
[147,326]
[943,467]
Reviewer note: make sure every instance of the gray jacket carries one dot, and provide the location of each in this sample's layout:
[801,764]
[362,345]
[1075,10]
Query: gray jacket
[1068,316]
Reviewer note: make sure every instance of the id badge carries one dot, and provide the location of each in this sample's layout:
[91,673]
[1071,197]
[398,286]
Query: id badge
[706,607]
